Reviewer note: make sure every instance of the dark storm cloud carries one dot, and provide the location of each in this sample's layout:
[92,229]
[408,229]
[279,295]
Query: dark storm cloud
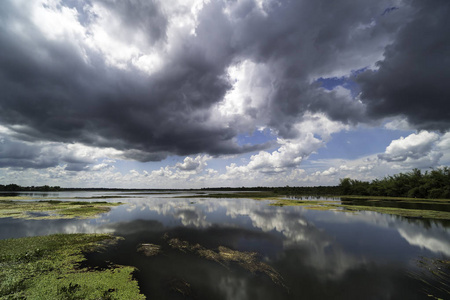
[55,95]
[57,91]
[23,155]
[413,78]
[302,40]
[19,155]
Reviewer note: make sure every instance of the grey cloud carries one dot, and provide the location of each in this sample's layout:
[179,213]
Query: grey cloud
[137,16]
[409,155]
[75,167]
[19,155]
[56,94]
[189,165]
[133,19]
[24,155]
[412,79]
[300,40]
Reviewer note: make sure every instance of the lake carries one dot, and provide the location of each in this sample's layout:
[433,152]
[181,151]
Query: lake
[237,248]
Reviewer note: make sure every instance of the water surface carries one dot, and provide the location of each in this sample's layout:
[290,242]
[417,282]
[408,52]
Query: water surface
[318,254]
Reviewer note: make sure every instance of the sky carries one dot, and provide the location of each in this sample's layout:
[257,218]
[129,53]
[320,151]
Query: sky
[197,93]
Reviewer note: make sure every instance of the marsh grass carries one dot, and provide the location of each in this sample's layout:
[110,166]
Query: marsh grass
[48,267]
[53,209]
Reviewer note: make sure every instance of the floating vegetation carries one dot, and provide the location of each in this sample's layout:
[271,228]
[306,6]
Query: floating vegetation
[183,245]
[10,198]
[48,267]
[101,197]
[53,209]
[350,206]
[149,249]
[407,213]
[401,206]
[224,256]
[250,195]
[310,204]
[386,198]
[435,276]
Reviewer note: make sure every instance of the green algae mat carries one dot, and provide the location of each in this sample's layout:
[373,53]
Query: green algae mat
[52,209]
[48,267]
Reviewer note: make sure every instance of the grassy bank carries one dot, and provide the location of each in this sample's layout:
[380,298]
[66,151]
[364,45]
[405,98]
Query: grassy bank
[47,267]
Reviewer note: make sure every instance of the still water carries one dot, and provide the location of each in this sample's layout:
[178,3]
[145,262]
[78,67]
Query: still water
[314,254]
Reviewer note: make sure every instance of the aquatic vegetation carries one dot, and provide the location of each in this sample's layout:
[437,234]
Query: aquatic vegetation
[434,274]
[10,198]
[48,267]
[246,249]
[387,198]
[365,205]
[224,256]
[405,207]
[53,209]
[408,213]
[101,197]
[181,287]
[183,245]
[307,203]
[149,249]
[250,195]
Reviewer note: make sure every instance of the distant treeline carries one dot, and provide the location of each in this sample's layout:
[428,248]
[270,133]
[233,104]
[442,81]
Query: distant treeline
[14,187]
[415,184]
[308,190]
[283,191]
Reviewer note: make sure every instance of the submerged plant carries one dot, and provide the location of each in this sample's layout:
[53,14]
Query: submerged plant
[181,287]
[434,275]
[149,249]
[224,256]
